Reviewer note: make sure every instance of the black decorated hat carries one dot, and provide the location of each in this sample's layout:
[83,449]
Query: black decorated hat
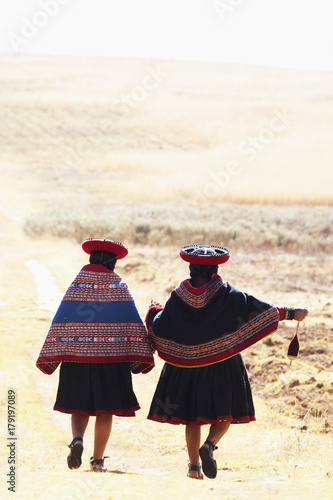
[105,246]
[207,255]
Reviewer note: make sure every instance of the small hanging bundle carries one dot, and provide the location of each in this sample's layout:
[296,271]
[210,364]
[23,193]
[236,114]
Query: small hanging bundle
[294,345]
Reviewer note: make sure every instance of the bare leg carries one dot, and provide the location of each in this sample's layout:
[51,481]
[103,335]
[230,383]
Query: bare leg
[193,436]
[79,424]
[103,427]
[217,431]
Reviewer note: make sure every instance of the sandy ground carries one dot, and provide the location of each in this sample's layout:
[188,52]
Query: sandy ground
[173,149]
[272,457]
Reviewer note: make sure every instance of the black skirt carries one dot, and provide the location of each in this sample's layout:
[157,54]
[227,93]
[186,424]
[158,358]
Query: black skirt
[205,395]
[96,388]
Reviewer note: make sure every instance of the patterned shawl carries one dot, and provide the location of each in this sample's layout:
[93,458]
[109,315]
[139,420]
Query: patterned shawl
[202,326]
[97,322]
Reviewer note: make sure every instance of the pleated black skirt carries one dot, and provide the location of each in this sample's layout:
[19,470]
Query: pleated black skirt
[205,395]
[96,388]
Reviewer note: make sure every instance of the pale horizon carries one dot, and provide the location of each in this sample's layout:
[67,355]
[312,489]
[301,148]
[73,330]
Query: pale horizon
[272,33]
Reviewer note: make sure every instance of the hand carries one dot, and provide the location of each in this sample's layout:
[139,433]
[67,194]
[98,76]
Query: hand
[155,304]
[300,314]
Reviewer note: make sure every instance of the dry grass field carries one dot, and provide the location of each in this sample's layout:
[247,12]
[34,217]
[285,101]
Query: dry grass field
[160,154]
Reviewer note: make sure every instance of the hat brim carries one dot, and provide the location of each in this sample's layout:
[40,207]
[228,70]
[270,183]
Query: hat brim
[220,256]
[105,246]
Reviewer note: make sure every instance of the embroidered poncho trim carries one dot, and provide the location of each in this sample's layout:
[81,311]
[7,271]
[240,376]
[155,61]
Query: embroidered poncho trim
[97,322]
[203,326]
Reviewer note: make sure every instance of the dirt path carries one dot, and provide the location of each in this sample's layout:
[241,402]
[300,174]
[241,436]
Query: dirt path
[263,460]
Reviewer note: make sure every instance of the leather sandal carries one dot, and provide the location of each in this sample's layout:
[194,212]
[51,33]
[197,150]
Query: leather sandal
[196,468]
[74,458]
[97,465]
[209,465]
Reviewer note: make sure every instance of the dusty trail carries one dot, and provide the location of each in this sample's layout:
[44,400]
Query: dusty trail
[155,161]
[147,460]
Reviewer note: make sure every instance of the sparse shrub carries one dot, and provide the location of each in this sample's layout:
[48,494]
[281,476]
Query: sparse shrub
[269,228]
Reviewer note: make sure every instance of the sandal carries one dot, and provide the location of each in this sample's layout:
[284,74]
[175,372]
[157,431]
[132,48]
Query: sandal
[209,465]
[74,458]
[97,465]
[196,468]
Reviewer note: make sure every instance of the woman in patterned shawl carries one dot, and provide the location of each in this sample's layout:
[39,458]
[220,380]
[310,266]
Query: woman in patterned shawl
[99,338]
[200,332]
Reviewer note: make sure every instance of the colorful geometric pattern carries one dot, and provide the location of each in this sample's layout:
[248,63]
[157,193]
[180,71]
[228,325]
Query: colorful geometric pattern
[223,347]
[199,297]
[96,287]
[240,320]
[97,322]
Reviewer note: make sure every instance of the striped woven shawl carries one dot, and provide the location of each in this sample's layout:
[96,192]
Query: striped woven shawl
[97,322]
[202,326]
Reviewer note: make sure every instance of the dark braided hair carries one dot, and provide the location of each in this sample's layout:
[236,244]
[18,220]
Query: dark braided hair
[106,259]
[199,271]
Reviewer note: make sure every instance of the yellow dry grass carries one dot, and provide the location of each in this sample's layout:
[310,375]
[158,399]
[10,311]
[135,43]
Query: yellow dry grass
[272,458]
[204,133]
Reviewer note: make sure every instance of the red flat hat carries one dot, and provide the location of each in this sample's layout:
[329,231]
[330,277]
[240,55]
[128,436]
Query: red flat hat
[105,246]
[206,255]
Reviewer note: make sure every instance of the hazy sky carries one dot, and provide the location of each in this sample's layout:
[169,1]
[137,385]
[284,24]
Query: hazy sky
[283,33]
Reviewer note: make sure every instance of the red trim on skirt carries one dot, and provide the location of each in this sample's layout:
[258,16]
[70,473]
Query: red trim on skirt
[157,417]
[126,412]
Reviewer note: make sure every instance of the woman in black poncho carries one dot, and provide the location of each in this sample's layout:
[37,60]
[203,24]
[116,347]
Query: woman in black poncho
[200,332]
